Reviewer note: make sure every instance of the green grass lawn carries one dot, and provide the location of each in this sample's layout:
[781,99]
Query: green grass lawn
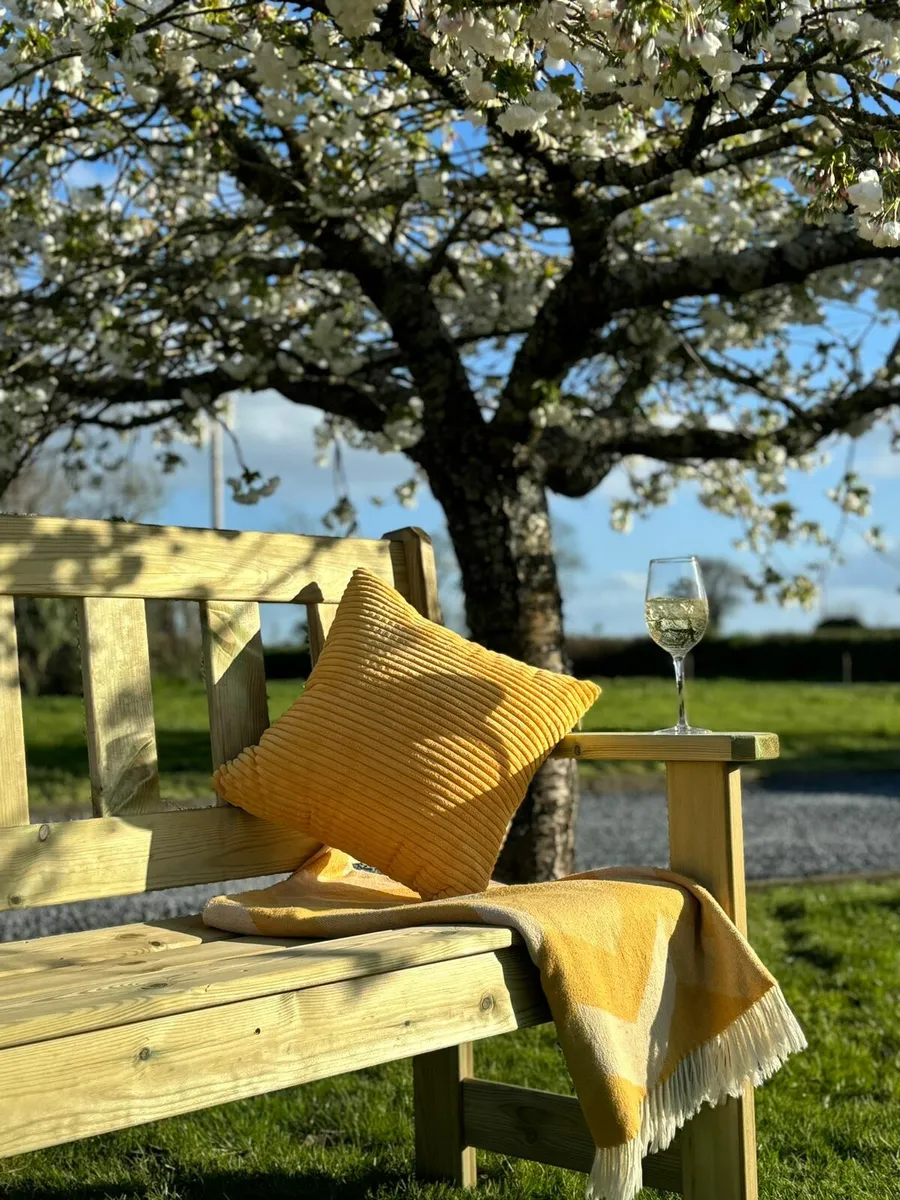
[822,727]
[56,747]
[829,1122]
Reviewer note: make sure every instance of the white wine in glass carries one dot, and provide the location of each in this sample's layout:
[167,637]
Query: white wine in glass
[677,613]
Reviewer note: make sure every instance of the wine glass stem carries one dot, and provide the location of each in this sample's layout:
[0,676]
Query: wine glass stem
[679,683]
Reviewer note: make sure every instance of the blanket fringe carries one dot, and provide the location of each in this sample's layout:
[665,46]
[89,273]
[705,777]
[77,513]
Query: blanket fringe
[750,1050]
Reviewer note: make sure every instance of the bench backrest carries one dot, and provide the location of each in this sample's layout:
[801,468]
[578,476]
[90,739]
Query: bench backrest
[135,842]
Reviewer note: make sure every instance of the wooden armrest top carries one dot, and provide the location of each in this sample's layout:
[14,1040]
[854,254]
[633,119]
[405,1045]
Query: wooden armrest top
[667,747]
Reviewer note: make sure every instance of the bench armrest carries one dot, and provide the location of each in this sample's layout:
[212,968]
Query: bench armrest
[706,844]
[667,747]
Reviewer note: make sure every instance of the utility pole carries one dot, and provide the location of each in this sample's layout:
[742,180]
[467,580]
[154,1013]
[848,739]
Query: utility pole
[216,472]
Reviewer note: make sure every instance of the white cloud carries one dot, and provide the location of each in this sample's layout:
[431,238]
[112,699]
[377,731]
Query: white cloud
[277,438]
[884,464]
[616,485]
[630,581]
[875,457]
[85,175]
[866,570]
[875,606]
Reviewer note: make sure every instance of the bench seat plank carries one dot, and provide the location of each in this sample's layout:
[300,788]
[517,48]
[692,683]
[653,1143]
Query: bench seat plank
[79,987]
[49,1004]
[82,1084]
[88,947]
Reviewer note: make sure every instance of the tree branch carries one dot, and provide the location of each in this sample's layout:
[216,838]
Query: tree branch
[393,286]
[578,459]
[662,186]
[591,294]
[368,404]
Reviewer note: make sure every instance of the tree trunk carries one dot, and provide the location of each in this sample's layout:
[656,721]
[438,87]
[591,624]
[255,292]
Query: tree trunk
[500,528]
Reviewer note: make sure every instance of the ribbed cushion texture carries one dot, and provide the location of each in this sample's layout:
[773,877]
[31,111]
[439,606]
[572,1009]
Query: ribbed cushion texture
[410,749]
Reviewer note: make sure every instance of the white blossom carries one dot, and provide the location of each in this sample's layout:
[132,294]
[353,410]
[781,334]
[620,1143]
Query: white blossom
[355,17]
[519,118]
[700,43]
[478,89]
[432,189]
[866,193]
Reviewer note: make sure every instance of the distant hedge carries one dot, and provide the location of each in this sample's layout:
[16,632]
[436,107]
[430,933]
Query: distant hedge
[287,662]
[874,657]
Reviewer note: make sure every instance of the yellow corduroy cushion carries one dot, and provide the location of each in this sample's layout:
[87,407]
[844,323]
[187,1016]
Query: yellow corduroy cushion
[411,748]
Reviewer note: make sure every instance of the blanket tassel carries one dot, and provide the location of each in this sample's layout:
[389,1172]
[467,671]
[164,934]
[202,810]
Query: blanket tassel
[750,1050]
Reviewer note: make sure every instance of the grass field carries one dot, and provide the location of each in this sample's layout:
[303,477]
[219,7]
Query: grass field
[822,727]
[829,1122]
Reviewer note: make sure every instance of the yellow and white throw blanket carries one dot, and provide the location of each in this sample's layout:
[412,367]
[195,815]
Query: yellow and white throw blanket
[660,1004]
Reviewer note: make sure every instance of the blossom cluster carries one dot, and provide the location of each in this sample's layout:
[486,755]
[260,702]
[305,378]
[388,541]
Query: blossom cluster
[571,69]
[171,170]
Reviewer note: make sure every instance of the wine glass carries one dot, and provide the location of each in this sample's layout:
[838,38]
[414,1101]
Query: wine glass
[677,613]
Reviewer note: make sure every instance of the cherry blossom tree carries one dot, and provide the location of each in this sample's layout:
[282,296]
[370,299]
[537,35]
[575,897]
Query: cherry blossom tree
[524,243]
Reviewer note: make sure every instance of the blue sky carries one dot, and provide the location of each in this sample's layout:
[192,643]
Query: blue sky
[607,593]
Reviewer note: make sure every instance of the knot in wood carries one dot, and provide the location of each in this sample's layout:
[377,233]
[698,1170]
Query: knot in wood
[144,1053]
[487,1003]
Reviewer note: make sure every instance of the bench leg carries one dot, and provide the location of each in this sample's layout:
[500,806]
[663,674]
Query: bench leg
[441,1152]
[706,843]
[718,1152]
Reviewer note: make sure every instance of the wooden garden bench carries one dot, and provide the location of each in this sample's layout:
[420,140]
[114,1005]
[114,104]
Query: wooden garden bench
[110,1028]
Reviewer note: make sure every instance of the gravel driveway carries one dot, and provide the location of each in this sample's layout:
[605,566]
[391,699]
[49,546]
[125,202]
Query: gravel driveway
[809,829]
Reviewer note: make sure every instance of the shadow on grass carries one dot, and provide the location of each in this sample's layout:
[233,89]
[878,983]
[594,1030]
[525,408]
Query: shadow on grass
[67,756]
[178,750]
[236,1185]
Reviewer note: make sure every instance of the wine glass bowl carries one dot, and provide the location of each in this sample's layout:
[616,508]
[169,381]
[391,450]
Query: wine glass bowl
[677,613]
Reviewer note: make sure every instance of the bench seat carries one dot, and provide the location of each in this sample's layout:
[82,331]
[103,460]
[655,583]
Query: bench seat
[114,1027]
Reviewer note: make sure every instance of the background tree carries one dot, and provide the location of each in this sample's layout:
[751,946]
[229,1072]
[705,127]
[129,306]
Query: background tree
[568,559]
[523,243]
[725,590]
[849,621]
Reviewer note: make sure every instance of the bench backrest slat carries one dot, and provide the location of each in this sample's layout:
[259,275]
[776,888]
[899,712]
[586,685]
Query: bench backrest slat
[136,843]
[118,707]
[13,782]
[421,572]
[124,856]
[235,677]
[49,556]
[318,624]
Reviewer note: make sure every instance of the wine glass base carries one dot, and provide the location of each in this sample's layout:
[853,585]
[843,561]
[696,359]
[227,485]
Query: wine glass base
[682,729]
